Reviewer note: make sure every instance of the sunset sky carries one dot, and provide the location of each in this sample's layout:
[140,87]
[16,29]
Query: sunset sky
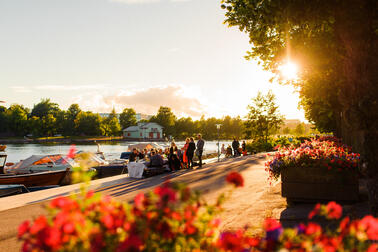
[130,53]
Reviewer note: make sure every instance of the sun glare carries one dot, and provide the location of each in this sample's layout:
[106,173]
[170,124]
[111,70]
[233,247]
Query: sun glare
[289,71]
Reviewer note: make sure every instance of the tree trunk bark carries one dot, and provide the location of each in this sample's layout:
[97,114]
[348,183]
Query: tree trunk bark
[355,30]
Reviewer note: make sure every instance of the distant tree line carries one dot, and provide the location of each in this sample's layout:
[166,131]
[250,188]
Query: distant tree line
[47,119]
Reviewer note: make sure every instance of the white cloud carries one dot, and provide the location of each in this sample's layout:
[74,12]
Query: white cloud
[149,100]
[21,89]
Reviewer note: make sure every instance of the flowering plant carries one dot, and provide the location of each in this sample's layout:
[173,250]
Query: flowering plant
[174,218]
[327,153]
[171,219]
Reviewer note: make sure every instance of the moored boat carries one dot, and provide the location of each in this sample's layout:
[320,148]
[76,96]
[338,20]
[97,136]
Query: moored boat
[35,179]
[8,190]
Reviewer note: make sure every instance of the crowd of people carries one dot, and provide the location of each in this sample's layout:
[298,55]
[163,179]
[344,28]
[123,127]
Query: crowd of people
[182,158]
[235,150]
[177,158]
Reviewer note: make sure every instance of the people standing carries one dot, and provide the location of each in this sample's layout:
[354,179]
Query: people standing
[200,144]
[185,154]
[235,146]
[190,152]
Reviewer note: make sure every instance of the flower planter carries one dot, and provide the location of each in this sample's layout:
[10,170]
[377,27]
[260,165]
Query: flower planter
[315,183]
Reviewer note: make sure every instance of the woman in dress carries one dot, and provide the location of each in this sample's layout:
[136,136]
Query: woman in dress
[185,154]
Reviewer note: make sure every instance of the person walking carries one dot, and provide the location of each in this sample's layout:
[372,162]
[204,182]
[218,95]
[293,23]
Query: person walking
[235,146]
[199,151]
[190,152]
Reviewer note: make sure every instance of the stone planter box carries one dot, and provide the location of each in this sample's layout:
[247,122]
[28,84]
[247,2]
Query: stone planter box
[317,184]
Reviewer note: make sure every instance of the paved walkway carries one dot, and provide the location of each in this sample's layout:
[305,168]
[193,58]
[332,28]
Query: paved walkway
[248,205]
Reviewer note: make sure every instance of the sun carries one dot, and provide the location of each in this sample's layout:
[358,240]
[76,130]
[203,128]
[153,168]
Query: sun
[289,71]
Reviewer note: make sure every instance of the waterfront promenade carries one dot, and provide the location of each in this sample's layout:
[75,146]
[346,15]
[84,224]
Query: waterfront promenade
[248,205]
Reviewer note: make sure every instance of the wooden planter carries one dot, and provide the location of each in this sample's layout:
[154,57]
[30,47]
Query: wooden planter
[316,184]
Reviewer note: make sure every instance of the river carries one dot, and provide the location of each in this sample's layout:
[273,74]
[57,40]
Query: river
[111,150]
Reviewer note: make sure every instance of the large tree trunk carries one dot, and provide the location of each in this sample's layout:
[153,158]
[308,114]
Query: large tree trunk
[355,29]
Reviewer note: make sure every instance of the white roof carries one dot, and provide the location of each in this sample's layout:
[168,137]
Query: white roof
[132,128]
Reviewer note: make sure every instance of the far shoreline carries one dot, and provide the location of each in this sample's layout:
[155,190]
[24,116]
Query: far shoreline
[81,140]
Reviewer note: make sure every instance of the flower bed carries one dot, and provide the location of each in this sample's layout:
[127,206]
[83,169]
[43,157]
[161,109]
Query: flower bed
[318,169]
[174,218]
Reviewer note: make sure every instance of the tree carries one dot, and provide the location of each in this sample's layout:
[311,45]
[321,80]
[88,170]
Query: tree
[89,124]
[167,119]
[299,129]
[336,44]
[286,131]
[263,117]
[17,116]
[127,118]
[110,125]
[3,120]
[45,107]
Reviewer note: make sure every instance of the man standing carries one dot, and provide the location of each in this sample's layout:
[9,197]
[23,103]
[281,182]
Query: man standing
[200,144]
[190,152]
[235,146]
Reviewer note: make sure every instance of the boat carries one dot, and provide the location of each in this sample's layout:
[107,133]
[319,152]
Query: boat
[39,163]
[47,178]
[8,190]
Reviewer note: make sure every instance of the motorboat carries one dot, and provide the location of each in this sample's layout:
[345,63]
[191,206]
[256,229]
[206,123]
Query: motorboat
[46,178]
[39,163]
[8,190]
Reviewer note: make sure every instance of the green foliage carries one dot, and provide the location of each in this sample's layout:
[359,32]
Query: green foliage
[167,119]
[44,108]
[17,116]
[263,118]
[88,123]
[3,120]
[335,44]
[127,118]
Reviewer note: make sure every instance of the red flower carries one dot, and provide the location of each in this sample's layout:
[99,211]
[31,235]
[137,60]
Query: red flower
[53,238]
[71,152]
[235,178]
[315,211]
[69,228]
[108,221]
[23,228]
[271,224]
[39,224]
[166,193]
[334,210]
[313,228]
[373,248]
[229,241]
[138,200]
[370,224]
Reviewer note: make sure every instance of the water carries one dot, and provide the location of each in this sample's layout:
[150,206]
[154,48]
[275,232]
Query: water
[111,150]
